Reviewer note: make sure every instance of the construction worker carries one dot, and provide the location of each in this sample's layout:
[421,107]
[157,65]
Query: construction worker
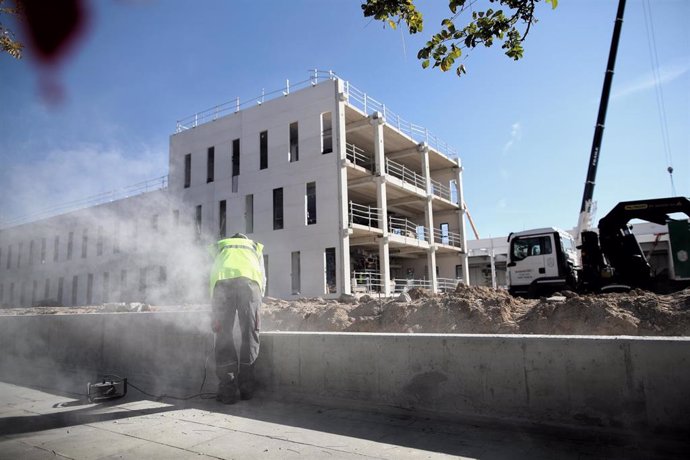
[238,281]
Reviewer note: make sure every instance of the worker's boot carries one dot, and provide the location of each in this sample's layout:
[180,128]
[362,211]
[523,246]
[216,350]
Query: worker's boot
[227,389]
[247,383]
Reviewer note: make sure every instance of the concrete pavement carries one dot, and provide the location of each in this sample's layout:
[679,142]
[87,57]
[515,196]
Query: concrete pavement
[39,424]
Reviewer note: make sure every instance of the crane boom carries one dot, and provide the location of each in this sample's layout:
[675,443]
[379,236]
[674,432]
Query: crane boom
[584,221]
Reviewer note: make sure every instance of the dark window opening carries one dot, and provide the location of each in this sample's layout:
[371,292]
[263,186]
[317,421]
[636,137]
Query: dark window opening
[46,289]
[9,256]
[197,223]
[222,211]
[187,170]
[277,208]
[43,250]
[176,217]
[34,287]
[311,203]
[56,248]
[106,287]
[249,213]
[99,242]
[294,142]
[296,275]
[70,245]
[210,164]
[326,133]
[331,287]
[75,281]
[31,252]
[263,150]
[84,243]
[116,238]
[19,255]
[89,289]
[235,164]
[61,283]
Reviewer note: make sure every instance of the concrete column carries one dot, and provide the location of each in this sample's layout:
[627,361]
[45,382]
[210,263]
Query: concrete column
[344,284]
[463,234]
[377,122]
[429,217]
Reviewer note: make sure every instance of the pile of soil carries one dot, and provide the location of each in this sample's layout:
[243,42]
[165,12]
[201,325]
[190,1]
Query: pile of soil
[468,310]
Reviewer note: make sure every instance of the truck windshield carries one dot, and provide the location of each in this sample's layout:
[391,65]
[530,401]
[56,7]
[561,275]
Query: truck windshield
[530,246]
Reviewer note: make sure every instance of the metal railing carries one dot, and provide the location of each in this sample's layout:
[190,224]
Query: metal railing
[405,174]
[355,96]
[148,185]
[447,238]
[367,216]
[440,190]
[359,157]
[404,227]
[447,284]
[366,281]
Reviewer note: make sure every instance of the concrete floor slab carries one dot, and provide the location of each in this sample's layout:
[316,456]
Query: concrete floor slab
[38,424]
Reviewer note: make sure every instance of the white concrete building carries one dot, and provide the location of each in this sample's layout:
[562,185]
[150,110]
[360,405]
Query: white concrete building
[345,195]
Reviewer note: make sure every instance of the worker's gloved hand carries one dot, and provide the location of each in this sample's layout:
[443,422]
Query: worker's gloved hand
[215,326]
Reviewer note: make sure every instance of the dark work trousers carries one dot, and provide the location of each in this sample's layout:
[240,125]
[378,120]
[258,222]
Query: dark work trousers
[241,298]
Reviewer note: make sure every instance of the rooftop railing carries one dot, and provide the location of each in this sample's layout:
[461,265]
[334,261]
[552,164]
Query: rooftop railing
[149,185]
[356,98]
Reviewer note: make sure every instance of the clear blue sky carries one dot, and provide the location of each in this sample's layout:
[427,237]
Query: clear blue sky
[523,129]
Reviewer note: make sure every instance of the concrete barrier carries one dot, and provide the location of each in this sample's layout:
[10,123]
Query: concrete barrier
[631,383]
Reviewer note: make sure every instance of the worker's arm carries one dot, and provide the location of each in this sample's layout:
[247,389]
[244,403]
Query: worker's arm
[263,276]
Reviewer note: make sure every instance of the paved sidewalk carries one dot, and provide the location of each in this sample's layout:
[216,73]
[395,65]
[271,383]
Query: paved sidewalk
[38,424]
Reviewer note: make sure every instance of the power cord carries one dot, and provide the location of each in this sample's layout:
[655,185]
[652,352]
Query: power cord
[159,398]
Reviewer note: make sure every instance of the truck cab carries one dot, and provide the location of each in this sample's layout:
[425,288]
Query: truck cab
[541,261]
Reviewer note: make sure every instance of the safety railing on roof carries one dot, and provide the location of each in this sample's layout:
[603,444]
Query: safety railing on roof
[356,98]
[359,157]
[149,185]
[405,174]
[447,238]
[403,227]
[368,216]
[440,190]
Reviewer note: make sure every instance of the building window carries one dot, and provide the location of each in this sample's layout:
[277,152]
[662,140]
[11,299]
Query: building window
[2,293]
[75,285]
[176,218]
[123,284]
[294,142]
[222,211]
[46,289]
[43,250]
[249,214]
[210,164]
[11,294]
[142,283]
[310,199]
[296,275]
[263,150]
[197,223]
[19,254]
[84,243]
[70,245]
[329,263]
[235,165]
[61,283]
[99,241]
[445,238]
[22,294]
[187,170]
[106,287]
[89,289]
[116,238]
[326,133]
[34,288]
[277,208]
[56,248]
[31,252]
[9,256]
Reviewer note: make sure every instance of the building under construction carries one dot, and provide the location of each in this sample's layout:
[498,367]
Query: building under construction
[346,196]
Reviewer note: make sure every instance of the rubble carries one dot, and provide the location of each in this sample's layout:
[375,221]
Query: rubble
[467,310]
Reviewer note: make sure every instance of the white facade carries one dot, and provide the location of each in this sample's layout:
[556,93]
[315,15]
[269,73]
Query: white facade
[344,194]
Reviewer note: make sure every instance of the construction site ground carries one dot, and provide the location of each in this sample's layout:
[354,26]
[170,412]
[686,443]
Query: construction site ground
[42,423]
[468,310]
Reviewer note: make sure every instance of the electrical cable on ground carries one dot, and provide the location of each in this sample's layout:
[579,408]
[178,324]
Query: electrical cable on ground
[163,396]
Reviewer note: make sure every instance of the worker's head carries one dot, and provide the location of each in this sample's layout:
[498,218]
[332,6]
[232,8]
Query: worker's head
[239,235]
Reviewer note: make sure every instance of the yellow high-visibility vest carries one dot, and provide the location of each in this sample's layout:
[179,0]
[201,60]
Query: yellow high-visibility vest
[237,257]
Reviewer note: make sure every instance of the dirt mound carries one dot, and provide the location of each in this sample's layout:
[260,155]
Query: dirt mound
[470,310]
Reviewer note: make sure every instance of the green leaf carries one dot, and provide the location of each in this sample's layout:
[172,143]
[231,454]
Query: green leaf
[425,64]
